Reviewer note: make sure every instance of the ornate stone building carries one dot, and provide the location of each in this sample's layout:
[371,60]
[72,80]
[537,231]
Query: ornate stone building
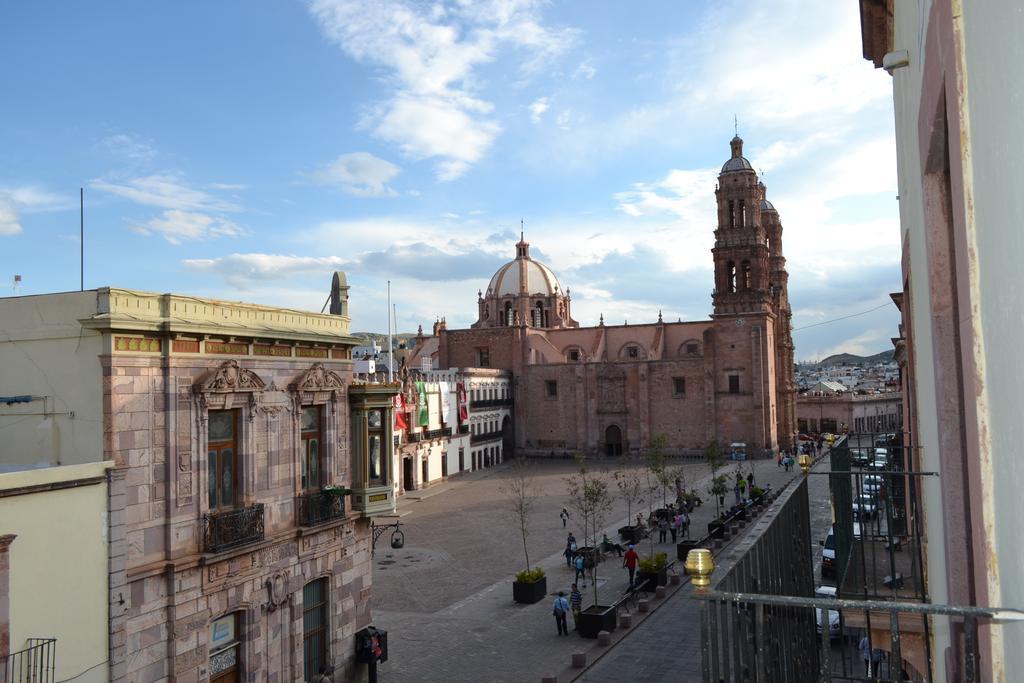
[230,556]
[612,388]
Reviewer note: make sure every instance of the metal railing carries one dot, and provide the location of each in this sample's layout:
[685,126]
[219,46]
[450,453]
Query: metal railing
[486,436]
[317,508]
[232,528]
[489,403]
[34,664]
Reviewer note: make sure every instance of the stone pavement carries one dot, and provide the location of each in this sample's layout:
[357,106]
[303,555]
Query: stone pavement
[446,600]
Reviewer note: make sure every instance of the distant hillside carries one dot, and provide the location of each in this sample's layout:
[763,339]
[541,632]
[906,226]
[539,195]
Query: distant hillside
[851,359]
[382,339]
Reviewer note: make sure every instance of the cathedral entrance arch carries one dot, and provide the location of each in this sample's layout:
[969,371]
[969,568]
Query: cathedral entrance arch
[613,440]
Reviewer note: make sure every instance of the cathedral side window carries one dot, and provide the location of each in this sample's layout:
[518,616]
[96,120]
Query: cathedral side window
[632,352]
[551,388]
[678,386]
[483,357]
[734,384]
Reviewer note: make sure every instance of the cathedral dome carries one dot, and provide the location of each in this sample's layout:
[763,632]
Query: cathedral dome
[738,162]
[539,278]
[767,206]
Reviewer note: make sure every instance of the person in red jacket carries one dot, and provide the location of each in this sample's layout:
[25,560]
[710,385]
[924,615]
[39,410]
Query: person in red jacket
[629,561]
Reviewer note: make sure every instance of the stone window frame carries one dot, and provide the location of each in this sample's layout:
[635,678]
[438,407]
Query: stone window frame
[319,387]
[328,603]
[636,347]
[569,351]
[684,348]
[551,389]
[676,392]
[229,386]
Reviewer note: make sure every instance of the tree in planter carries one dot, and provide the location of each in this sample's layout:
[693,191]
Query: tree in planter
[518,489]
[589,496]
[631,490]
[716,460]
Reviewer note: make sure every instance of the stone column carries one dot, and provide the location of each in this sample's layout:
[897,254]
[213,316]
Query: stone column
[5,602]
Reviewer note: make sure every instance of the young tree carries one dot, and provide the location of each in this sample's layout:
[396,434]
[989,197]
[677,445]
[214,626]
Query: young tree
[589,496]
[716,460]
[518,489]
[631,489]
[657,463]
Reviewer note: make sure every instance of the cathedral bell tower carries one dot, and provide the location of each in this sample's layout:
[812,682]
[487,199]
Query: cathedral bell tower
[741,252]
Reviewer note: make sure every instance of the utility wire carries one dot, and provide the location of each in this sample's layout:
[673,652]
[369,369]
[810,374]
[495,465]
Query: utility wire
[845,317]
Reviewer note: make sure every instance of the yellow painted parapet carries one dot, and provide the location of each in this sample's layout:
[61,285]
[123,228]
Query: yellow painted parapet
[128,310]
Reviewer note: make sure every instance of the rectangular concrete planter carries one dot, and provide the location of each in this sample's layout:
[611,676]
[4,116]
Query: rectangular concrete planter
[684,547]
[653,579]
[631,534]
[529,593]
[597,618]
[716,529]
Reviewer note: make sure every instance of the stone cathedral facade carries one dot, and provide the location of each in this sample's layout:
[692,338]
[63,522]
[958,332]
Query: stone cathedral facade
[612,388]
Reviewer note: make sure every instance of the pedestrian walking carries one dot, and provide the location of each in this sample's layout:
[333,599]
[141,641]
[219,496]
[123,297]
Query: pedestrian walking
[675,528]
[576,601]
[779,459]
[684,525]
[559,609]
[581,565]
[570,549]
[872,657]
[750,482]
[736,492]
[662,530]
[565,517]
[629,561]
[743,489]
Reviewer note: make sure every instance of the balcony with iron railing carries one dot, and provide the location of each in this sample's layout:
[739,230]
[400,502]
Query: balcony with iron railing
[489,403]
[485,437]
[228,529]
[35,663]
[312,509]
[761,620]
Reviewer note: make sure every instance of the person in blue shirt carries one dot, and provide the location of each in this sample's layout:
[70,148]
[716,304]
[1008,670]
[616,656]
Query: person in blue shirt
[581,564]
[559,609]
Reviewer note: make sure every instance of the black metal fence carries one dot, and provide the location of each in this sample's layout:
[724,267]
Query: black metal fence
[743,641]
[317,508]
[34,664]
[489,403]
[232,528]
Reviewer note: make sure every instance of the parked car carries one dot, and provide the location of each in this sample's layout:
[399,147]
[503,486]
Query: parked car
[872,484]
[860,456]
[828,555]
[864,507]
[835,628]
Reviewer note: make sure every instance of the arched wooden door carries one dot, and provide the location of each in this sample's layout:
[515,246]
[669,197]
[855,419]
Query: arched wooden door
[613,440]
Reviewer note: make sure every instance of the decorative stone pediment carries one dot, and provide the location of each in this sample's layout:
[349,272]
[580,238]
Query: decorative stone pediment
[318,378]
[230,377]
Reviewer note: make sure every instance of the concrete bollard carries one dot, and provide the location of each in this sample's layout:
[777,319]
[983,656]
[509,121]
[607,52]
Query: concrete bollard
[718,544]
[625,620]
[643,606]
[659,592]
[674,579]
[579,660]
[604,639]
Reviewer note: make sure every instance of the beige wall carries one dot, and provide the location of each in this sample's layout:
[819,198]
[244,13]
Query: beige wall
[45,352]
[58,564]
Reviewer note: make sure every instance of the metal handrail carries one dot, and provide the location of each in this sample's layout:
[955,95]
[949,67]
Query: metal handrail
[33,664]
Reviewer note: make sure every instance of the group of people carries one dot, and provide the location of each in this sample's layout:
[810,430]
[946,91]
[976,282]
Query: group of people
[744,486]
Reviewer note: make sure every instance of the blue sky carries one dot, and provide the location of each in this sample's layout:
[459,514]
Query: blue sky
[245,151]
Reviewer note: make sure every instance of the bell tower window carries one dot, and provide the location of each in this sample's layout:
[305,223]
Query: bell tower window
[743,213]
[730,275]
[732,214]
[746,274]
[508,314]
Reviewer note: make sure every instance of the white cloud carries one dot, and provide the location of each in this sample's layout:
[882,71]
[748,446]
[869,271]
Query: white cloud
[166,190]
[177,226]
[360,174]
[129,146]
[537,108]
[9,224]
[430,53]
[246,270]
[585,71]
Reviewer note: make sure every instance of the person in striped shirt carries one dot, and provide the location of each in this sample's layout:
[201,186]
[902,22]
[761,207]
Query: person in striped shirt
[576,600]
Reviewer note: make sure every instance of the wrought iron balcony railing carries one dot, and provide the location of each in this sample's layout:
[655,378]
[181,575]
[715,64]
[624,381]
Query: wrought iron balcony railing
[490,403]
[486,436]
[232,528]
[34,664]
[464,429]
[317,508]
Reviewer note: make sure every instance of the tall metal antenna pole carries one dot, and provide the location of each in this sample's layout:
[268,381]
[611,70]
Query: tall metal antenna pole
[391,355]
[81,238]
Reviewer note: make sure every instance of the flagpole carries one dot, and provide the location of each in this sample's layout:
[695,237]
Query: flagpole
[391,357]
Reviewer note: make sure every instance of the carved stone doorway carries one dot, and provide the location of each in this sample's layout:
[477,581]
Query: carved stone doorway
[613,440]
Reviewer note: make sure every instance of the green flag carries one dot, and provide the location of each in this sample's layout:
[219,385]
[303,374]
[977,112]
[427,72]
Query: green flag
[421,390]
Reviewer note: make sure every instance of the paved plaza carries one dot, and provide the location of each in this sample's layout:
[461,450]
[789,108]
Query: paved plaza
[446,597]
